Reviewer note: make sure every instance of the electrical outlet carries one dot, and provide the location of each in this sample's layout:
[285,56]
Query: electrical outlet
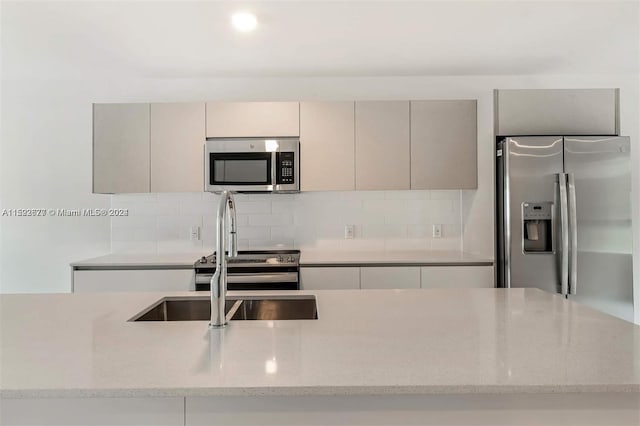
[437,231]
[349,232]
[195,233]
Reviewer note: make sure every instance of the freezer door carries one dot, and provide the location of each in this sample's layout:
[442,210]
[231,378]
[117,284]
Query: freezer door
[601,171]
[531,169]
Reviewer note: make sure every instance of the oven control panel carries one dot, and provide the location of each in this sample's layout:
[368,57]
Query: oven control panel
[285,167]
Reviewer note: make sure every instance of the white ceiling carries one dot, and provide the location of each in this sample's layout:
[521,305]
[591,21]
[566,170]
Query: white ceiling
[320,38]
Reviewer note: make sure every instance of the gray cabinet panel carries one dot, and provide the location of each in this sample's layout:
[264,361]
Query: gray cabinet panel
[93,411]
[327,146]
[556,112]
[120,148]
[375,277]
[327,278]
[252,119]
[177,153]
[444,144]
[382,145]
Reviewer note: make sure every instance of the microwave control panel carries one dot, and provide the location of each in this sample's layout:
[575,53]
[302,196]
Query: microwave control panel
[285,172]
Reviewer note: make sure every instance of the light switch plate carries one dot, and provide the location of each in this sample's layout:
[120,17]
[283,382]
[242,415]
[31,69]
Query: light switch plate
[437,231]
[349,232]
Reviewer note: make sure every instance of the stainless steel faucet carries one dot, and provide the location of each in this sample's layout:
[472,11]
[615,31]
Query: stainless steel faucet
[226,210]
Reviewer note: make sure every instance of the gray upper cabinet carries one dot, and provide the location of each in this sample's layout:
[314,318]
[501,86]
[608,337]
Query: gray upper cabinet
[556,112]
[327,146]
[382,145]
[345,146]
[444,144]
[252,119]
[177,141]
[120,148]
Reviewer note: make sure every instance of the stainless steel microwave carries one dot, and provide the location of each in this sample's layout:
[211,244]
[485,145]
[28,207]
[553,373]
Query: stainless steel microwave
[252,165]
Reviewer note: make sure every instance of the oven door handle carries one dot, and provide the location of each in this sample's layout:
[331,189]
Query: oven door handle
[277,277]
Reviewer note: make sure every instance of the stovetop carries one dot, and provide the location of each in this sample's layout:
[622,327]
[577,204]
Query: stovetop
[255,258]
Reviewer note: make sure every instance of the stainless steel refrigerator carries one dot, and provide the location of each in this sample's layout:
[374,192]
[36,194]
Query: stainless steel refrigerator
[564,218]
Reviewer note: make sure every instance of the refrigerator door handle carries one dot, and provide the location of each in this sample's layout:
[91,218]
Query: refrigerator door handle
[573,234]
[564,234]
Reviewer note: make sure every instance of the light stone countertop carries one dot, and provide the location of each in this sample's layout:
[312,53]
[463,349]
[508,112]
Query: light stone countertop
[437,341]
[315,257]
[142,260]
[308,257]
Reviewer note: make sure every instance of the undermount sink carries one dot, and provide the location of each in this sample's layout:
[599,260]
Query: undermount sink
[248,308]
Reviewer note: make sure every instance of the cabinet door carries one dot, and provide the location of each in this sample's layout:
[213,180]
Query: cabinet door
[177,153]
[120,148]
[93,411]
[327,146]
[444,144]
[457,277]
[252,119]
[382,145]
[390,277]
[557,112]
[133,280]
[329,278]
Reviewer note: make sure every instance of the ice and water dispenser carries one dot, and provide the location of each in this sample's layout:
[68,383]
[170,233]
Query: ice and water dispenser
[537,227]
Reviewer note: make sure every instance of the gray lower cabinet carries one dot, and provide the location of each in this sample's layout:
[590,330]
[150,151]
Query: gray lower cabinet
[382,145]
[457,277]
[93,411]
[375,277]
[120,148]
[444,144]
[562,409]
[329,278]
[396,277]
[134,280]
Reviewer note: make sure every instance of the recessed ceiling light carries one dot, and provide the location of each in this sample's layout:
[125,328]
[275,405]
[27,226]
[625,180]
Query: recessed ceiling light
[244,21]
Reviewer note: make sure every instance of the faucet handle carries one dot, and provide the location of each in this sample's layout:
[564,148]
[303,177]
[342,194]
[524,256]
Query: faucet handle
[233,244]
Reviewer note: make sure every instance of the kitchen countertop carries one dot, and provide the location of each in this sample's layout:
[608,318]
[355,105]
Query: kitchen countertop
[392,258]
[308,257]
[437,341]
[142,260]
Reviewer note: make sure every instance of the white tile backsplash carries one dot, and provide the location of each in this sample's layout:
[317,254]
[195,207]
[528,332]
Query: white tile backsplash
[391,220]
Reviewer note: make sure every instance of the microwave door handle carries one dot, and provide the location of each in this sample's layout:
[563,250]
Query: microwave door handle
[573,231]
[274,164]
[564,233]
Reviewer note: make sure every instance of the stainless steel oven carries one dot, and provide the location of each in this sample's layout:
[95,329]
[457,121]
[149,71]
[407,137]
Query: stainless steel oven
[254,270]
[252,165]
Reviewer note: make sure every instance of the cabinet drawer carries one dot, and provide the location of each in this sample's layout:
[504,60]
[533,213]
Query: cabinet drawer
[457,277]
[133,280]
[327,137]
[382,145]
[389,277]
[332,278]
[120,148]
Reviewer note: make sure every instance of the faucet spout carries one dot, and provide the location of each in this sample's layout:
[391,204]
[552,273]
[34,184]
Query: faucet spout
[226,213]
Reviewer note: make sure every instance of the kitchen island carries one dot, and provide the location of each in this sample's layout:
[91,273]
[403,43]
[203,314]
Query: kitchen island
[480,356]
